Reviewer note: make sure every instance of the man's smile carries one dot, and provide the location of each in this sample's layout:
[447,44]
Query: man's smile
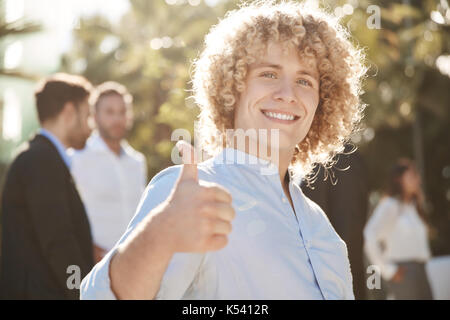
[280,116]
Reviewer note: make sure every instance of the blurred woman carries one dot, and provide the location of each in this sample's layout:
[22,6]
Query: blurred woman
[398,224]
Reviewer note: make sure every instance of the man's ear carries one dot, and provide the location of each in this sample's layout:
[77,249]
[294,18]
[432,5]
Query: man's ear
[130,118]
[68,111]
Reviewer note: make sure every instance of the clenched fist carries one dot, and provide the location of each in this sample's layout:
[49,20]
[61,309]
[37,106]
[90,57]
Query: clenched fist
[199,213]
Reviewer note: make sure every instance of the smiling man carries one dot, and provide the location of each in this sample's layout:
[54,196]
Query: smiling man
[288,68]
[282,93]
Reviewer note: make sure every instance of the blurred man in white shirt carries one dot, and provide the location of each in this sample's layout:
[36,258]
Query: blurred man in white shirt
[109,173]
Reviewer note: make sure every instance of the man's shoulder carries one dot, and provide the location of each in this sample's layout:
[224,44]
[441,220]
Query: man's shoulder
[312,206]
[35,152]
[315,209]
[133,153]
[35,156]
[171,174]
[321,222]
[167,175]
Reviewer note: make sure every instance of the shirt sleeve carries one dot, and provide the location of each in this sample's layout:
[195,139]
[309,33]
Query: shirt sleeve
[182,268]
[377,230]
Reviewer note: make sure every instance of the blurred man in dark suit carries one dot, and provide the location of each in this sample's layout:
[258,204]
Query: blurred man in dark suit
[346,205]
[45,227]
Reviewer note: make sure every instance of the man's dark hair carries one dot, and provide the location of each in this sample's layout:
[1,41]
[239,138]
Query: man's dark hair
[110,88]
[55,91]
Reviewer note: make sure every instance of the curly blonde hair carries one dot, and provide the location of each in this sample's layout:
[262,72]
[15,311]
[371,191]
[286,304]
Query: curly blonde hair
[238,40]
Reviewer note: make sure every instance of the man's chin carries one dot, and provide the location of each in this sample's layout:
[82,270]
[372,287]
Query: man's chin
[79,145]
[114,137]
[281,145]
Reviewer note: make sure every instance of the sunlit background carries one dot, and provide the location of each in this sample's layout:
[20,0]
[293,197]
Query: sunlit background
[149,45]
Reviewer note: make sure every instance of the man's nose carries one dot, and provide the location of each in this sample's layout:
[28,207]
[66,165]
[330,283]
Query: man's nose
[285,93]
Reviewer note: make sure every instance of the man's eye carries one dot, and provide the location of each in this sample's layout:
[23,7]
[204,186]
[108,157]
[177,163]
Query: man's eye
[304,82]
[269,75]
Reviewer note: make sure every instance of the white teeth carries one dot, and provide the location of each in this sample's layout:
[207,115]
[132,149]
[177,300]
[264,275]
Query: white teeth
[280,116]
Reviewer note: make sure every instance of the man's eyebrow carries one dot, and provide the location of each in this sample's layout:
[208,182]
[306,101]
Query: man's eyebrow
[308,73]
[279,67]
[267,65]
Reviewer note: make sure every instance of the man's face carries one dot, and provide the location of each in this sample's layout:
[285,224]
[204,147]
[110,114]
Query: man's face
[282,92]
[112,117]
[79,128]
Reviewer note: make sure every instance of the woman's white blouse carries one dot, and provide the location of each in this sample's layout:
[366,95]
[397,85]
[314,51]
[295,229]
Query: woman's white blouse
[398,228]
[271,253]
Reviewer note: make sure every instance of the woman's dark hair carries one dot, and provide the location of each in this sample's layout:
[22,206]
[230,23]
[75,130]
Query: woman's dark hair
[394,186]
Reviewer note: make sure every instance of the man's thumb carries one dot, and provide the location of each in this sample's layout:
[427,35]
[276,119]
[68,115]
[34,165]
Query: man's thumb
[189,170]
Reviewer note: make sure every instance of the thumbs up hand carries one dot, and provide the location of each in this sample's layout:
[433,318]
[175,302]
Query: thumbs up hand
[189,170]
[195,217]
[199,212]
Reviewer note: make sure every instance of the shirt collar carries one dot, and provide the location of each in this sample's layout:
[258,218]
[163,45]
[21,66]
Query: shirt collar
[96,142]
[231,156]
[62,150]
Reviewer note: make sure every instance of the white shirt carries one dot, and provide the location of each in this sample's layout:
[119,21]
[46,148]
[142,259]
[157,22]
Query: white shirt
[110,187]
[404,236]
[271,254]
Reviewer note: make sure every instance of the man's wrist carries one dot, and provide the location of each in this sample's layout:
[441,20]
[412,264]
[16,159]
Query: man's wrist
[159,231]
[148,244]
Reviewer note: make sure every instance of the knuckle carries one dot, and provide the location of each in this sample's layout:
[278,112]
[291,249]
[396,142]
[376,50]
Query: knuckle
[206,192]
[230,227]
[233,213]
[225,192]
[222,242]
[206,209]
[206,226]
[230,213]
[228,194]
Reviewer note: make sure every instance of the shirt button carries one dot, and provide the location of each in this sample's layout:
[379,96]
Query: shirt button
[284,200]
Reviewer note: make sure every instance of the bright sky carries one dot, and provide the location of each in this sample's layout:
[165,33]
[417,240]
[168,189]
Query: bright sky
[59,17]
[56,11]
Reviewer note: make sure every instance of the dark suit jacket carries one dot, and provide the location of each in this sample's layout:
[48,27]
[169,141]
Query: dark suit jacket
[45,227]
[346,205]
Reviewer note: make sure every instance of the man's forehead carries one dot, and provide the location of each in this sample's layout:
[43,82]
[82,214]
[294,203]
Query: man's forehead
[112,100]
[277,55]
[306,66]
